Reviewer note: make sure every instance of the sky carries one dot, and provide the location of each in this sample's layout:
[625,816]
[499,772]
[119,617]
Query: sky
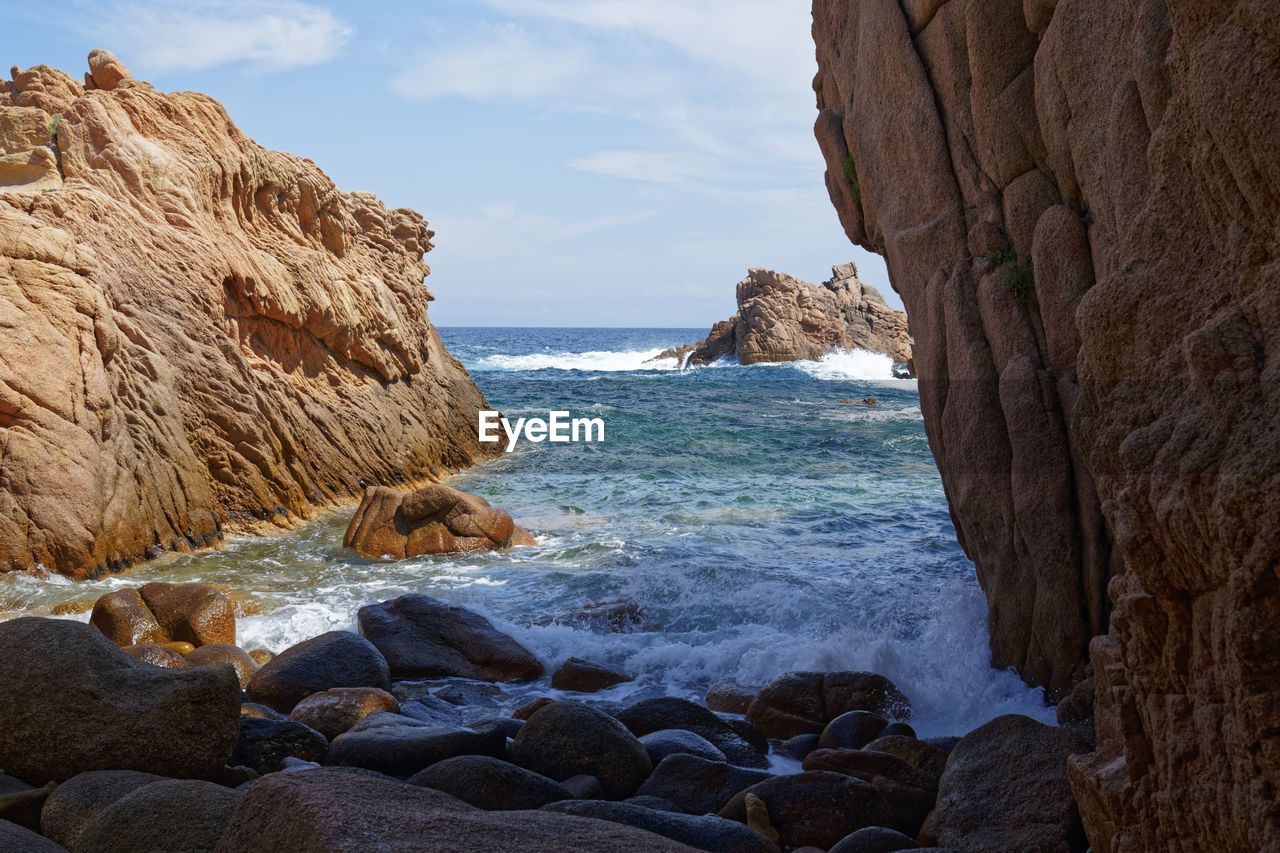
[582,162]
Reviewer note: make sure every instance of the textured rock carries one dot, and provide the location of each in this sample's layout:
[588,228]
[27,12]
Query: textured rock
[696,785]
[335,711]
[180,815]
[432,520]
[491,784]
[730,697]
[781,318]
[201,335]
[77,801]
[422,637]
[666,742]
[852,730]
[71,701]
[126,620]
[333,659]
[806,702]
[567,739]
[1121,423]
[339,810]
[704,832]
[813,808]
[191,612]
[264,745]
[670,712]
[910,793]
[926,758]
[15,837]
[874,839]
[403,750]
[244,665]
[583,676]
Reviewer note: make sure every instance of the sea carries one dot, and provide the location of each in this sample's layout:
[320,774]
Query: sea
[736,522]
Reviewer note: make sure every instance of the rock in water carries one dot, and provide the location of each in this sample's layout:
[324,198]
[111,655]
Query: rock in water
[333,659]
[422,637]
[584,676]
[805,702]
[337,809]
[201,335]
[781,318]
[1005,788]
[71,701]
[432,520]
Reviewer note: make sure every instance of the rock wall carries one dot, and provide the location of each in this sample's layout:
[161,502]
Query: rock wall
[198,334]
[1079,201]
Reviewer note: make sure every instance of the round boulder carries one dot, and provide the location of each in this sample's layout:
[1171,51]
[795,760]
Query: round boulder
[566,739]
[490,783]
[583,676]
[125,619]
[333,659]
[814,808]
[852,730]
[191,612]
[176,814]
[666,742]
[338,709]
[77,801]
[265,744]
[245,666]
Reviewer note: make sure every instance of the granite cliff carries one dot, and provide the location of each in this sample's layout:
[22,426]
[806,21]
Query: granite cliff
[781,318]
[1079,202]
[199,334]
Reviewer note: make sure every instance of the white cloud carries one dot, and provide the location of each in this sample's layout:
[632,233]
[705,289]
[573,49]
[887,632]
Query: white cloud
[263,35]
[640,166]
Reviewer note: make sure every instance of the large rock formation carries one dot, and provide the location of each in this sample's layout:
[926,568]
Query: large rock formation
[1078,202]
[435,519]
[199,334]
[781,318]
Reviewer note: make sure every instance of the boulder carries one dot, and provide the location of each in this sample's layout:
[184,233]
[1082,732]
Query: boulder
[528,709]
[582,676]
[333,659]
[852,730]
[71,701]
[19,838]
[874,839]
[911,794]
[261,712]
[422,637]
[77,801]
[705,832]
[470,694]
[156,655]
[21,803]
[491,784]
[925,757]
[338,809]
[897,730]
[433,520]
[799,746]
[126,620]
[584,787]
[403,750]
[567,739]
[670,712]
[804,702]
[245,666]
[1005,788]
[178,815]
[730,697]
[191,612]
[698,786]
[814,808]
[265,744]
[334,711]
[666,742]
[106,71]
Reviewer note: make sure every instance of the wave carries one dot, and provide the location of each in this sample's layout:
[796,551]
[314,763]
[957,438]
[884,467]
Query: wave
[849,364]
[603,361]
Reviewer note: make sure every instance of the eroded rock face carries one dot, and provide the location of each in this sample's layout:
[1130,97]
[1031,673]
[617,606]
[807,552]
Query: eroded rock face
[1077,201]
[199,334]
[781,318]
[432,520]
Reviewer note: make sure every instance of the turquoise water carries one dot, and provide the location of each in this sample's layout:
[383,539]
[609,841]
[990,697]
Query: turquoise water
[758,524]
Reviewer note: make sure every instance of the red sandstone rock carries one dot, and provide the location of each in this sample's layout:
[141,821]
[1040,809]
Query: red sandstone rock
[200,334]
[433,520]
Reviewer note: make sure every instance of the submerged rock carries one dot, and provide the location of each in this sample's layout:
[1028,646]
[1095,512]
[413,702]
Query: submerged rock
[422,637]
[433,520]
[71,701]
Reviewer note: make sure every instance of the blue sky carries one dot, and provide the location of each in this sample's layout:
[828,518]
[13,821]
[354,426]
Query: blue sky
[583,162]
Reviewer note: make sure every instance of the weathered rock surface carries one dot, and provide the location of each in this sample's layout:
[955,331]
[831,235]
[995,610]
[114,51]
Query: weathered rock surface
[491,784]
[566,739]
[584,676]
[704,832]
[185,815]
[781,318]
[333,659]
[71,701]
[1119,160]
[340,809]
[806,702]
[264,745]
[244,665]
[672,712]
[336,710]
[696,785]
[432,520]
[77,801]
[15,837]
[200,334]
[910,793]
[814,808]
[422,637]
[403,750]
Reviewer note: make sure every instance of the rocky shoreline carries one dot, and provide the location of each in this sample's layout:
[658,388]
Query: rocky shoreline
[150,729]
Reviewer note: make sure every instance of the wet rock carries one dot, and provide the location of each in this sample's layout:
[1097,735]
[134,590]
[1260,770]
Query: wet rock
[191,612]
[804,702]
[403,750]
[491,784]
[666,742]
[567,739]
[730,697]
[814,808]
[334,711]
[340,809]
[333,659]
[852,730]
[422,637]
[1005,788]
[698,786]
[261,656]
[77,801]
[172,815]
[71,701]
[431,710]
[435,519]
[19,838]
[911,794]
[582,676]
[265,744]
[705,832]
[125,619]
[621,616]
[874,839]
[527,710]
[669,712]
[923,756]
[245,666]
[261,712]
[156,655]
[470,694]
[799,746]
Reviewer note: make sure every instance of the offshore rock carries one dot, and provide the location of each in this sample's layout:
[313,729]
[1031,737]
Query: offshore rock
[433,520]
[201,335]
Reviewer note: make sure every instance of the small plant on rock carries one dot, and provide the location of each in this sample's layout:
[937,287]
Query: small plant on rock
[1017,277]
[851,177]
[53,125]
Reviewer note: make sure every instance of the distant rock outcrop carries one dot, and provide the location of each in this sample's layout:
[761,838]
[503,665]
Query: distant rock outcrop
[432,520]
[781,318]
[199,334]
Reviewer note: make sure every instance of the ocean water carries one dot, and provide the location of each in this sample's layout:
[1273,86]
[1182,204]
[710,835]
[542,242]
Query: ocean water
[749,521]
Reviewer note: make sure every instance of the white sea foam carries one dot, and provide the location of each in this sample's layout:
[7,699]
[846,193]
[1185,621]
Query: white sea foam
[602,361]
[849,364]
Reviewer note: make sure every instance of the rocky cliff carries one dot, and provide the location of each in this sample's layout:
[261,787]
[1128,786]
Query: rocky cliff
[781,318]
[199,334]
[1079,202]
